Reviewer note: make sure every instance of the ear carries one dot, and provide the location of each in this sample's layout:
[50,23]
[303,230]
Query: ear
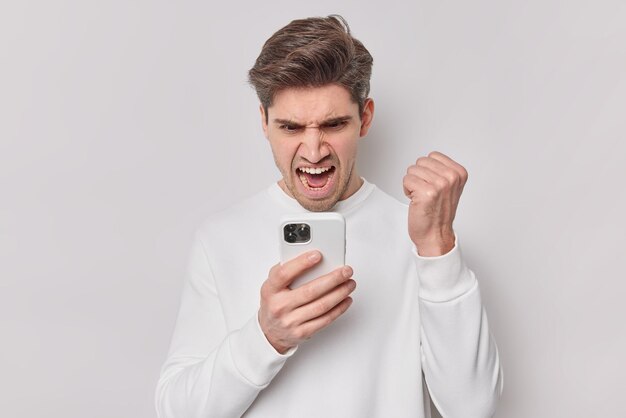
[367,117]
[263,121]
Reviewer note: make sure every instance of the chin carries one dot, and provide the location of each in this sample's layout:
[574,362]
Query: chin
[317,205]
[324,204]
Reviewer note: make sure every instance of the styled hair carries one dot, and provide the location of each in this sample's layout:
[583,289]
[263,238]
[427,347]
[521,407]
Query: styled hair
[312,52]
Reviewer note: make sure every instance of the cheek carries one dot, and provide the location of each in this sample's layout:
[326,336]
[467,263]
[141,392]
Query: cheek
[284,152]
[346,151]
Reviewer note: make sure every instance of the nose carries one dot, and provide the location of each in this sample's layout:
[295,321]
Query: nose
[314,147]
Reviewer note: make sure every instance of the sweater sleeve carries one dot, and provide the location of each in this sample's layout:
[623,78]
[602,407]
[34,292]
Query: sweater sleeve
[210,370]
[459,355]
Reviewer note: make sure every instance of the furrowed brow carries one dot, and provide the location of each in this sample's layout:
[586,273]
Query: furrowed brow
[287,122]
[327,122]
[336,120]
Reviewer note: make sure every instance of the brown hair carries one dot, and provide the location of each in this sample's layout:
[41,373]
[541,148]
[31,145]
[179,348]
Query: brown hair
[311,53]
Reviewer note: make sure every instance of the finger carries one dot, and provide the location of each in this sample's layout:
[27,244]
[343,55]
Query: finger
[449,162]
[432,163]
[325,303]
[322,285]
[427,175]
[281,275]
[421,181]
[441,169]
[418,190]
[309,328]
[413,173]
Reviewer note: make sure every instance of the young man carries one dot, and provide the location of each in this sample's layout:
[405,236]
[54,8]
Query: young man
[330,348]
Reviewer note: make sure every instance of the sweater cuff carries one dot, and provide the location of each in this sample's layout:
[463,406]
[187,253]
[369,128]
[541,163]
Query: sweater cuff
[254,357]
[444,277]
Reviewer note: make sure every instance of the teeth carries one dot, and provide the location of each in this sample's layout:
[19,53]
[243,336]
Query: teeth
[306,183]
[310,170]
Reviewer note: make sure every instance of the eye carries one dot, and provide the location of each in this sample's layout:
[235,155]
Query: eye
[290,128]
[335,125]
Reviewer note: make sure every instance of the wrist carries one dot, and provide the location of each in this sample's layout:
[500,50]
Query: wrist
[281,349]
[436,245]
[275,343]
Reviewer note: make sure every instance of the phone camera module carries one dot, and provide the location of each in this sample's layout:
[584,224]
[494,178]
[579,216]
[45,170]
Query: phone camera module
[297,233]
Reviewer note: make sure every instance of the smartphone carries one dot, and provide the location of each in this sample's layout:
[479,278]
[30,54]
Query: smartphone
[322,231]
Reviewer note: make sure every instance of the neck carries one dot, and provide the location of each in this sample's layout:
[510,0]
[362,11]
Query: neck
[353,186]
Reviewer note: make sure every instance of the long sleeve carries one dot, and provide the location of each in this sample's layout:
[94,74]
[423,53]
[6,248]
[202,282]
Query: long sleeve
[459,355]
[211,371]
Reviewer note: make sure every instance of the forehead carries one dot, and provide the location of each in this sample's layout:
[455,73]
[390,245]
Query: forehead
[312,104]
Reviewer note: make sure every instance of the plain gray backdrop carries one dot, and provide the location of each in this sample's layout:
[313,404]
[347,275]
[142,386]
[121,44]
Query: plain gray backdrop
[124,123]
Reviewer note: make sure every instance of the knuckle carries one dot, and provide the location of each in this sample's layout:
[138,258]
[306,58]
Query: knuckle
[320,308]
[464,174]
[276,310]
[274,269]
[430,192]
[451,176]
[280,274]
[309,258]
[273,311]
[308,291]
[447,176]
[286,323]
[266,293]
[408,181]
[442,183]
[299,334]
[327,320]
[275,272]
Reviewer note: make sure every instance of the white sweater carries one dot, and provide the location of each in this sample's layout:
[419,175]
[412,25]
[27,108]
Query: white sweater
[410,315]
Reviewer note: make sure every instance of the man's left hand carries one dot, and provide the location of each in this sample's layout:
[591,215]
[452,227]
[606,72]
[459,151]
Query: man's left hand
[434,184]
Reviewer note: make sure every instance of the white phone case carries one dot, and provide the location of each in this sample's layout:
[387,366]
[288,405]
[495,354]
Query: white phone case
[327,235]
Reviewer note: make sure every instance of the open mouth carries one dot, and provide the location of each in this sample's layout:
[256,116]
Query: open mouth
[316,178]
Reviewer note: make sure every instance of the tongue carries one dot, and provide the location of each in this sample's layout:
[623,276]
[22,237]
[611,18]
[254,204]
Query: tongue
[316,180]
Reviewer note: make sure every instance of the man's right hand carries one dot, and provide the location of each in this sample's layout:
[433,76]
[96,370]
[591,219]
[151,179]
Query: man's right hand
[290,316]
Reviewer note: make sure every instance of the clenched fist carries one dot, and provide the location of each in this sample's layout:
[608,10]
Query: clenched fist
[434,184]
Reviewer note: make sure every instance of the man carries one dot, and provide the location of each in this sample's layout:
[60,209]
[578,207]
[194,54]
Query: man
[330,348]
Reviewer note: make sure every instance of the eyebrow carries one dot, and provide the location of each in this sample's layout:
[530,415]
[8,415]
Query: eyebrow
[330,121]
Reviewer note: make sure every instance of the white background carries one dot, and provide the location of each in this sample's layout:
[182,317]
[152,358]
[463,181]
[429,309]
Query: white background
[124,123]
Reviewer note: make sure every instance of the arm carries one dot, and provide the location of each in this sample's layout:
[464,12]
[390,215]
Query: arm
[209,370]
[459,356]
[213,371]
